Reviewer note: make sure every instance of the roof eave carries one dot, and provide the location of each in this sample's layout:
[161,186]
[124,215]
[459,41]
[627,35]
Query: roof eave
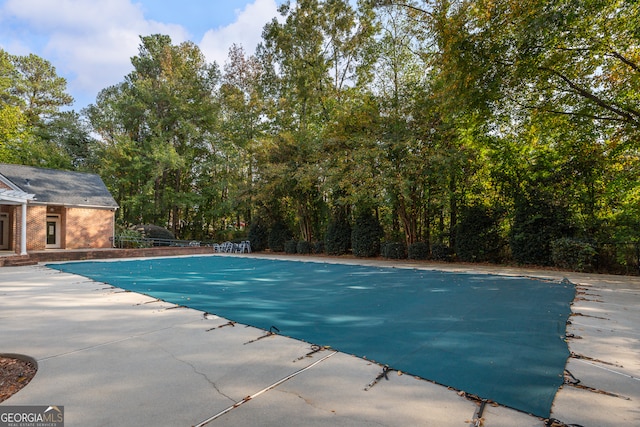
[73,205]
[15,196]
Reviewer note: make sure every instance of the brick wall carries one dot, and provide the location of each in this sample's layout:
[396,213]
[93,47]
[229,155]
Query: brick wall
[88,228]
[36,227]
[80,228]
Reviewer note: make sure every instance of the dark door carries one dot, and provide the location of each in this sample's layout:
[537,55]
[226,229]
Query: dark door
[4,231]
[52,232]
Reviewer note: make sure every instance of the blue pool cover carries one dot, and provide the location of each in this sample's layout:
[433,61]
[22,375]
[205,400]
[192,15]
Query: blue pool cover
[497,337]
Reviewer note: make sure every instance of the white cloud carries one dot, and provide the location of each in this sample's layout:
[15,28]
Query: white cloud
[245,31]
[103,58]
[79,15]
[91,43]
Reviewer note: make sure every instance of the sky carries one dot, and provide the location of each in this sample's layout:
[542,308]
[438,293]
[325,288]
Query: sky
[90,43]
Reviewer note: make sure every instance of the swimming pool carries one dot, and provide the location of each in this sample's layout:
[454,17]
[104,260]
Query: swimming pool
[496,337]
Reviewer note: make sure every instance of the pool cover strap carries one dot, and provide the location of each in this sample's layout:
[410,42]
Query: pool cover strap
[264,390]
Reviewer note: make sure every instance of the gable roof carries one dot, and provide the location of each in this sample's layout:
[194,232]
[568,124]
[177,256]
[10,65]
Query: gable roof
[58,187]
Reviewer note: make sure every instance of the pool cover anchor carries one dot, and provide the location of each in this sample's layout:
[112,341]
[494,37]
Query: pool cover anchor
[268,334]
[229,323]
[552,422]
[571,380]
[478,420]
[149,302]
[576,314]
[583,357]
[383,374]
[315,348]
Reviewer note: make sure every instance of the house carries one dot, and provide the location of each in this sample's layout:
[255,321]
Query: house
[53,209]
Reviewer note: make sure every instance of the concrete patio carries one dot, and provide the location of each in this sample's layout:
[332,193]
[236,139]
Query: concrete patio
[115,358]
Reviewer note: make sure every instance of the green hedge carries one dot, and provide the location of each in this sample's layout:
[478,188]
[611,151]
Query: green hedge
[478,236]
[440,252]
[365,236]
[304,247]
[394,250]
[258,236]
[128,239]
[418,250]
[278,235]
[291,246]
[536,224]
[573,254]
[337,239]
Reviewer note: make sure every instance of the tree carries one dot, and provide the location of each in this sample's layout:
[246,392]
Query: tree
[407,121]
[31,95]
[316,51]
[297,48]
[567,72]
[243,108]
[420,112]
[570,59]
[40,89]
[158,126]
[534,84]
[12,132]
[12,119]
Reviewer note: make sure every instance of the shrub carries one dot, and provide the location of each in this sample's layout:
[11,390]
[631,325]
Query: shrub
[278,235]
[304,247]
[318,247]
[418,250]
[618,258]
[478,235]
[536,224]
[258,235]
[291,246]
[129,239]
[338,237]
[365,236]
[394,250]
[573,254]
[440,252]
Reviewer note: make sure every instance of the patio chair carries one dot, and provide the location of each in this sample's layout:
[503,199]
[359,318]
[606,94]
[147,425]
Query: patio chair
[244,246]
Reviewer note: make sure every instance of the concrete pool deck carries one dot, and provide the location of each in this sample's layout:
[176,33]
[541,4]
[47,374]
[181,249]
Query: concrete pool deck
[115,358]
